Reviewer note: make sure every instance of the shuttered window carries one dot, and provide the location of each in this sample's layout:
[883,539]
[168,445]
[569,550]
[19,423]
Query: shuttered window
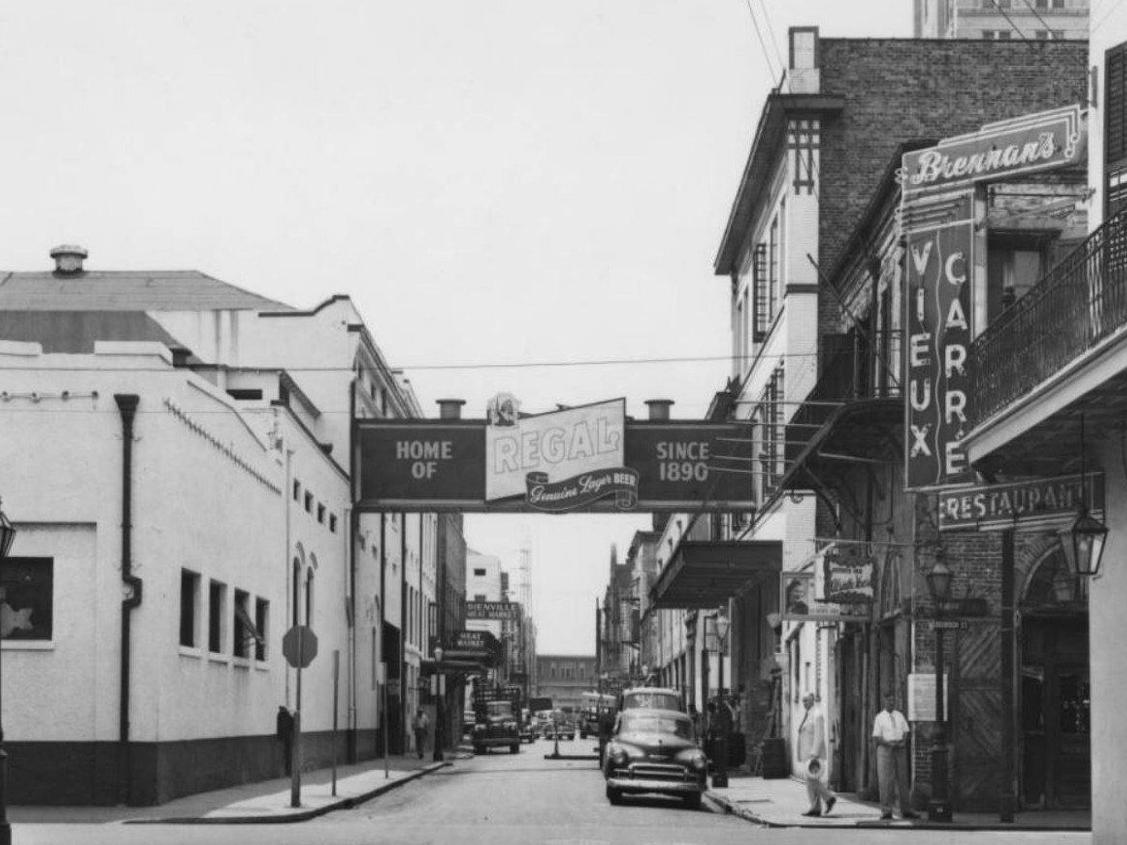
[1115,128]
[762,293]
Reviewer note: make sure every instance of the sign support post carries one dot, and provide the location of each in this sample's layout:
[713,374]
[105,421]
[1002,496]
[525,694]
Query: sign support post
[336,680]
[295,766]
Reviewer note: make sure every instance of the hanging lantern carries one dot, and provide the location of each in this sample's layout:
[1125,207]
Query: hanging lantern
[1083,544]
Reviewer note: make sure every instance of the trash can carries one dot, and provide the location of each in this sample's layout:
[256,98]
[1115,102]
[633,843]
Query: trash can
[774,759]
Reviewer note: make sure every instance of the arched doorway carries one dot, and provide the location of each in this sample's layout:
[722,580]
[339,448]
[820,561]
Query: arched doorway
[1054,689]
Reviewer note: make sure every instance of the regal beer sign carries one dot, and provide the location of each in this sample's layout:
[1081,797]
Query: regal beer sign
[999,150]
[562,460]
[588,458]
[940,263]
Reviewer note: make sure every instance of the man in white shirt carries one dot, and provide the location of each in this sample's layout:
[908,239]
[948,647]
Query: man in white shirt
[890,733]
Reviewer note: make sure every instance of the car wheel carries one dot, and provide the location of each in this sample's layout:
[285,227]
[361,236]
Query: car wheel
[692,800]
[513,749]
[613,795]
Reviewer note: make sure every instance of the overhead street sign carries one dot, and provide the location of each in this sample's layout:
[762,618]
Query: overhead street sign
[442,465]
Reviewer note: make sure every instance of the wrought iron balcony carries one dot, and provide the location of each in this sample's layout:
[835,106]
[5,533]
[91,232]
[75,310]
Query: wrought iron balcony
[1081,301]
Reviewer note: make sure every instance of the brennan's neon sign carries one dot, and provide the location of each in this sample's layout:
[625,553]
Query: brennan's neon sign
[1024,144]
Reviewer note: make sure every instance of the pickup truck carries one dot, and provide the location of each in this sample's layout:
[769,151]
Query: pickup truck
[496,725]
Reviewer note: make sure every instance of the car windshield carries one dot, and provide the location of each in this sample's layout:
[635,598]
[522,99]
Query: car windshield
[653,723]
[500,708]
[652,700]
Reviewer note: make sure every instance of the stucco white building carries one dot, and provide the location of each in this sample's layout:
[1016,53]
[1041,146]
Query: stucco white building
[238,525]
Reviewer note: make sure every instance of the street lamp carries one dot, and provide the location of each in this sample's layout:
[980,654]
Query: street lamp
[722,725]
[939,584]
[439,710]
[7,537]
[1083,544]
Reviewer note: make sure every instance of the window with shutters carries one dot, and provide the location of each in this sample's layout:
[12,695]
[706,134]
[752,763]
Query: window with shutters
[773,428]
[1115,129]
[760,284]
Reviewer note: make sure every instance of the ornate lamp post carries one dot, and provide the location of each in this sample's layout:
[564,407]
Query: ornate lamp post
[439,705]
[939,807]
[721,724]
[7,537]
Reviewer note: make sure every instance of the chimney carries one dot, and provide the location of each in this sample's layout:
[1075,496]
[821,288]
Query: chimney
[659,408]
[68,259]
[450,409]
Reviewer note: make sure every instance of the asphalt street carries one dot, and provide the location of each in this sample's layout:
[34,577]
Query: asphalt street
[504,799]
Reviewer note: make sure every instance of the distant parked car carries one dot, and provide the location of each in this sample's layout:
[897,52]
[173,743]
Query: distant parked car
[655,751]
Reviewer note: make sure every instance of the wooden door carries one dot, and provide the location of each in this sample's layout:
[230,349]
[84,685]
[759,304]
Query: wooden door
[975,705]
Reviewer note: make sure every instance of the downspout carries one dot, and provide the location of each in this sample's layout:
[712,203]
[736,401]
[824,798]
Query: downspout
[127,405]
[404,712]
[382,699]
[353,523]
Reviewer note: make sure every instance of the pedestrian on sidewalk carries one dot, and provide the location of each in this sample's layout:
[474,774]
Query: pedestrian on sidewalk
[285,734]
[419,725]
[812,754]
[890,733]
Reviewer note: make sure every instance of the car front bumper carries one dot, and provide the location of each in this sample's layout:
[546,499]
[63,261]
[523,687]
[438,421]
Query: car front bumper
[670,787]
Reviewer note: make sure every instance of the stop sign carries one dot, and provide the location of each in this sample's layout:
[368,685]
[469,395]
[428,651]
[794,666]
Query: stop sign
[299,646]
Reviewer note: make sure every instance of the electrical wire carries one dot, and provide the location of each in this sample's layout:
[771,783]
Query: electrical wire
[774,41]
[762,43]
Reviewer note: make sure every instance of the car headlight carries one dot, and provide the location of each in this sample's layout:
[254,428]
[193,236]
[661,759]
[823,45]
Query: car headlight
[699,762]
[618,756]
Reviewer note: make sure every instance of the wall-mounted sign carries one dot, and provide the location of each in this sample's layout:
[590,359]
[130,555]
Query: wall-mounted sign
[847,573]
[492,610]
[921,696]
[799,604]
[656,466]
[1030,503]
[562,448]
[998,150]
[938,304]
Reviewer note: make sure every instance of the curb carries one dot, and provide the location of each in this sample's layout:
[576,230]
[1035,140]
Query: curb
[301,815]
[749,815]
[571,756]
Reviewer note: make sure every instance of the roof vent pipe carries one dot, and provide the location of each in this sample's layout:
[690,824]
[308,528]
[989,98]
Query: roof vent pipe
[68,258]
[659,408]
[450,409]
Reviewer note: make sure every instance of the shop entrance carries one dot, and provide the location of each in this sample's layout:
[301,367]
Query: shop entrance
[1055,691]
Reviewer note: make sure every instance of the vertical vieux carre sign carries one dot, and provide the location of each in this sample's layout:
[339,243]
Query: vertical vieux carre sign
[940,265]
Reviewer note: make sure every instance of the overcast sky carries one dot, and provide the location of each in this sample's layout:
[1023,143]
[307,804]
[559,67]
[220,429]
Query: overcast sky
[492,182]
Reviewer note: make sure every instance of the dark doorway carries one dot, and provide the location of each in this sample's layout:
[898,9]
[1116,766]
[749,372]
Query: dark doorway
[1055,707]
[392,652]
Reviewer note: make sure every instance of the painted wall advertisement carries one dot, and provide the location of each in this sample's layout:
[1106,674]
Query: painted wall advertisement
[938,303]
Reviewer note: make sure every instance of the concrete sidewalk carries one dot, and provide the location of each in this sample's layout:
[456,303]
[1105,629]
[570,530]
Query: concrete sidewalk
[263,802]
[781,803]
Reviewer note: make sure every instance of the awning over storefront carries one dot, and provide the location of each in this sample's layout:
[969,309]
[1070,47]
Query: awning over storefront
[705,573]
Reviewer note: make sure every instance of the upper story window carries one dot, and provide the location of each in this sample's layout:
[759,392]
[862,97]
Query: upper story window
[1013,265]
[767,277]
[997,34]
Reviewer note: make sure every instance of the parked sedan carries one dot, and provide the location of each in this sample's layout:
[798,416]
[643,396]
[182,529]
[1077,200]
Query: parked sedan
[655,751]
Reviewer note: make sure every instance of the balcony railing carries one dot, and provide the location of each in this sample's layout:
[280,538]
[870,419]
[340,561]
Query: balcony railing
[1079,303]
[850,372]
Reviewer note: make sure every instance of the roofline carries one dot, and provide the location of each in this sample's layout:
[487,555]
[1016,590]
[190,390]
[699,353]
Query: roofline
[769,134]
[336,297]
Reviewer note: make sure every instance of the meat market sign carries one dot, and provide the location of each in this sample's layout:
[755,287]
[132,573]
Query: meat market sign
[587,458]
[998,150]
[493,610]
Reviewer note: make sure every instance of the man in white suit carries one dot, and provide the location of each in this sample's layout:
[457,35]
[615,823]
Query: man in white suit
[812,755]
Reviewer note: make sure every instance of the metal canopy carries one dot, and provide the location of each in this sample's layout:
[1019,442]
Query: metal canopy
[860,431]
[703,574]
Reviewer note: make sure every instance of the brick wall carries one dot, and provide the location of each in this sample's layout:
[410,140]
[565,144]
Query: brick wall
[901,89]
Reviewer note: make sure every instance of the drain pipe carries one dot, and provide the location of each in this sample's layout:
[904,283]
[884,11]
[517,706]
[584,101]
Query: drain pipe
[127,405]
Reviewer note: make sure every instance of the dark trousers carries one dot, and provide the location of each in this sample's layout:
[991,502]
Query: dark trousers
[420,740]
